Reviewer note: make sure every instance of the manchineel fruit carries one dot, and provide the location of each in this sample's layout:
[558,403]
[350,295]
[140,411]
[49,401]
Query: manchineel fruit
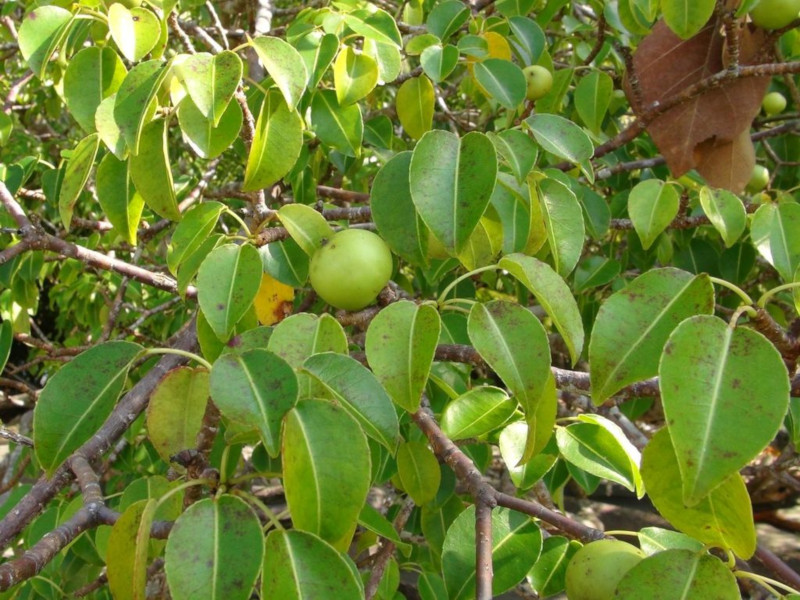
[596,569]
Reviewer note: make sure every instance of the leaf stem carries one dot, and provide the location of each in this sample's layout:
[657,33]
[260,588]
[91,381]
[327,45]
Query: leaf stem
[751,312]
[735,289]
[762,302]
[457,280]
[766,582]
[268,512]
[190,355]
[240,221]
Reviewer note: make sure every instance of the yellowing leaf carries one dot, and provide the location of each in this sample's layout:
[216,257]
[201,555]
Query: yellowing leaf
[273,301]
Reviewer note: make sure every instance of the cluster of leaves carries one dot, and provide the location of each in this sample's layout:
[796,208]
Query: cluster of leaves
[552,316]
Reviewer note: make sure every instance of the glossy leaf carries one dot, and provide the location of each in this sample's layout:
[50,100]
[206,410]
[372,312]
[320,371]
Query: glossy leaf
[340,127]
[207,140]
[40,34]
[652,205]
[686,18]
[301,566]
[656,539]
[418,470]
[377,25]
[518,150]
[374,521]
[286,262]
[514,344]
[477,412]
[714,381]
[276,143]
[446,18]
[302,335]
[285,65]
[255,388]
[516,544]
[726,213]
[108,129]
[227,283]
[633,325]
[125,557]
[214,550]
[306,226]
[135,31]
[438,62]
[775,232]
[563,219]
[724,518]
[451,183]
[78,398]
[134,99]
[561,137]
[357,390]
[92,75]
[151,171]
[175,410]
[553,294]
[6,339]
[592,98]
[415,102]
[195,227]
[503,80]
[211,81]
[355,75]
[548,576]
[118,198]
[326,481]
[77,174]
[400,346]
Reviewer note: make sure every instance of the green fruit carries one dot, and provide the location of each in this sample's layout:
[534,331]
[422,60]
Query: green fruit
[759,179]
[774,14]
[539,81]
[596,569]
[351,269]
[773,103]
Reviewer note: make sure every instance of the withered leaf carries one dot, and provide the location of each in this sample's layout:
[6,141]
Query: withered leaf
[705,132]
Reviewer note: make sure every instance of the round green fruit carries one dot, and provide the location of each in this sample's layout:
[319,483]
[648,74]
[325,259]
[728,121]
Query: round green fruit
[774,14]
[773,103]
[759,179]
[596,569]
[351,269]
[539,81]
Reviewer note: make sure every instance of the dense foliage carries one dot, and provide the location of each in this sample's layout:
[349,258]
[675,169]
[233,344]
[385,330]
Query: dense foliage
[592,249]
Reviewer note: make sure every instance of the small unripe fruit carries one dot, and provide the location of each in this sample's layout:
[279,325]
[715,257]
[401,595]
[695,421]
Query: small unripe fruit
[774,14]
[351,269]
[773,103]
[539,81]
[758,179]
[597,568]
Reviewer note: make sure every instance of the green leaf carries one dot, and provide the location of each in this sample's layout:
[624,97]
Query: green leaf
[528,40]
[415,101]
[637,16]
[276,144]
[394,213]
[286,262]
[6,339]
[377,25]
[679,575]
[41,33]
[211,81]
[214,550]
[285,65]
[686,18]
[477,412]
[126,558]
[135,31]
[255,388]
[77,174]
[511,201]
[299,336]
[357,390]
[151,172]
[633,325]
[193,230]
[514,344]
[548,576]
[341,128]
[595,271]
[726,213]
[592,97]
[652,205]
[419,472]
[503,80]
[326,481]
[446,18]
[118,198]
[306,226]
[354,75]
[207,140]
[301,566]
[227,283]
[724,518]
[553,294]
[563,220]
[133,104]
[400,345]
[561,137]
[92,75]
[77,400]
[374,521]
[656,539]
[452,180]
[175,411]
[317,51]
[713,380]
[108,129]
[517,149]
[516,544]
[775,232]
[438,61]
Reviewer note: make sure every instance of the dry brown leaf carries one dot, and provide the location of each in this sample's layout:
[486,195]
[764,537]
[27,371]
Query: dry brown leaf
[707,130]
